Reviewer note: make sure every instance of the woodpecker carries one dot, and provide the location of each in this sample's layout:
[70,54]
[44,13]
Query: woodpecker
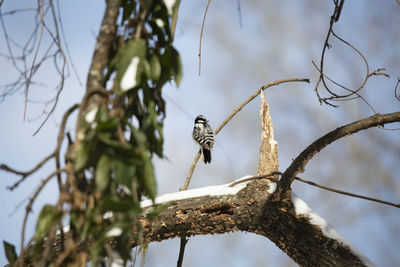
[203,135]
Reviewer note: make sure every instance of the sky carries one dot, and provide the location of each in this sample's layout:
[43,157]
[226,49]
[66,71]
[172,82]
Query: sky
[276,40]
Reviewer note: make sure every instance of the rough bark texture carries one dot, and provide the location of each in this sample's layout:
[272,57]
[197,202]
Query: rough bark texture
[249,211]
[100,59]
[268,161]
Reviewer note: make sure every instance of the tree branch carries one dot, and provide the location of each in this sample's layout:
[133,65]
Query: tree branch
[100,58]
[55,153]
[300,162]
[249,211]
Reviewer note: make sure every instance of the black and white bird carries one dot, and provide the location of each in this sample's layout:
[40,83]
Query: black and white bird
[203,135]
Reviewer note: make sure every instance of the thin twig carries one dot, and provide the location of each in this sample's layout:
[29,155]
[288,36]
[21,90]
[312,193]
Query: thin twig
[344,87]
[240,14]
[334,18]
[271,176]
[66,44]
[174,22]
[33,61]
[304,157]
[185,187]
[397,95]
[29,207]
[25,174]
[60,138]
[201,33]
[57,41]
[262,88]
[182,251]
[196,159]
[347,193]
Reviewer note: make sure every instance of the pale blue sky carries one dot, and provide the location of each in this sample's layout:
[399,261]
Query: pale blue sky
[278,40]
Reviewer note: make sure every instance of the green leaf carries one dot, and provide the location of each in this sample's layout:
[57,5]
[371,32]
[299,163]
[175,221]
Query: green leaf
[132,49]
[146,68]
[171,63]
[102,115]
[9,250]
[126,151]
[102,173]
[155,211]
[127,7]
[155,68]
[82,156]
[139,137]
[47,218]
[150,185]
[116,205]
[124,173]
[124,245]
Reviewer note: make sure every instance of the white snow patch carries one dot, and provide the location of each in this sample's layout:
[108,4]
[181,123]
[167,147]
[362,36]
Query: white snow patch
[272,188]
[108,215]
[91,115]
[65,230]
[273,143]
[116,231]
[128,81]
[169,4]
[302,208]
[216,190]
[160,23]
[117,263]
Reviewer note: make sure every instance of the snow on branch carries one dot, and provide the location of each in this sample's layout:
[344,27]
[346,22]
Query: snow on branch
[303,209]
[216,190]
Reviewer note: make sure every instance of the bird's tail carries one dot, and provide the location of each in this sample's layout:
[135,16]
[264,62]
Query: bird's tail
[206,155]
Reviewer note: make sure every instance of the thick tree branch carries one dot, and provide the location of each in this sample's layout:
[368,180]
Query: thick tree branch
[100,59]
[249,211]
[300,162]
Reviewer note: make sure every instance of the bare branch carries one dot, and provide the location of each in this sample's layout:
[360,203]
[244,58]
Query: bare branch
[272,177]
[100,58]
[344,87]
[300,162]
[347,193]
[262,88]
[182,251]
[29,208]
[173,24]
[201,33]
[53,154]
[248,211]
[397,94]
[40,9]
[196,159]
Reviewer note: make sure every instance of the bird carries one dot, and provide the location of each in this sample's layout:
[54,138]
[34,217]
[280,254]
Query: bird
[204,136]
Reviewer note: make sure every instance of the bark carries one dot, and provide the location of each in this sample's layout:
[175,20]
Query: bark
[268,161]
[250,211]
